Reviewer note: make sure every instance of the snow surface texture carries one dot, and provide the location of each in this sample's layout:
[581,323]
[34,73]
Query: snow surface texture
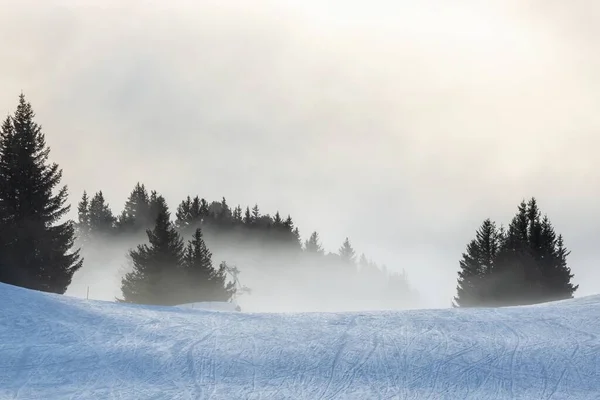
[57,347]
[211,305]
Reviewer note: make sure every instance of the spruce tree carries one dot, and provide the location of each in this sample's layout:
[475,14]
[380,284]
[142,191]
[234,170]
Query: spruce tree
[313,244]
[527,265]
[155,278]
[346,252]
[35,248]
[101,218]
[82,228]
[202,281]
[135,215]
[477,263]
[247,217]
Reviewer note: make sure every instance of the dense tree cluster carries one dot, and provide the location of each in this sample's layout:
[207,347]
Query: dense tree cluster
[524,264]
[273,243]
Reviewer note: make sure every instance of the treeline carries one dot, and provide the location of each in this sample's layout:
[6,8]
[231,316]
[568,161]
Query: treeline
[170,261]
[279,254]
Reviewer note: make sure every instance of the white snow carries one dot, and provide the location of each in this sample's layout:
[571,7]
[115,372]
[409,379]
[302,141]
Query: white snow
[211,305]
[57,347]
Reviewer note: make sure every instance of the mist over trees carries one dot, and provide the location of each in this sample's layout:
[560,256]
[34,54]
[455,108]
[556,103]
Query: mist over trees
[524,264]
[198,253]
[267,249]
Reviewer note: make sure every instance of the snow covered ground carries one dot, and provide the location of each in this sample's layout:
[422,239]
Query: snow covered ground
[57,347]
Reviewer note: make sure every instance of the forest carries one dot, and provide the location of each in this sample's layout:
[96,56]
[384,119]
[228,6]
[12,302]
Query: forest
[209,250]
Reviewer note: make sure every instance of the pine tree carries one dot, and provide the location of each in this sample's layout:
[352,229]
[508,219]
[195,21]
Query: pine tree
[237,214]
[135,216]
[35,249]
[313,244]
[247,217]
[524,264]
[82,228]
[183,214]
[203,282]
[346,252]
[477,264]
[101,218]
[155,278]
[255,213]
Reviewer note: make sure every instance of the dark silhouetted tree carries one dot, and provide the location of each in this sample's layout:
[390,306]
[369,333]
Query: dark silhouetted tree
[35,248]
[82,228]
[135,215]
[156,274]
[477,264]
[528,265]
[101,218]
[202,281]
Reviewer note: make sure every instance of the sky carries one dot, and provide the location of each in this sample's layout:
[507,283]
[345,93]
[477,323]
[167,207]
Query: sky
[400,124]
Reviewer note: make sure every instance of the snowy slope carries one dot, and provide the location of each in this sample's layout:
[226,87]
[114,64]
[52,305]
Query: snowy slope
[211,305]
[57,347]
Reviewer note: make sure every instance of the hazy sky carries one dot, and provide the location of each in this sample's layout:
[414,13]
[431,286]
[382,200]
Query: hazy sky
[401,124]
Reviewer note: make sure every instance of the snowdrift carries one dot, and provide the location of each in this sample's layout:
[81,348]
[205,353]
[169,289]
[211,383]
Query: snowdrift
[57,347]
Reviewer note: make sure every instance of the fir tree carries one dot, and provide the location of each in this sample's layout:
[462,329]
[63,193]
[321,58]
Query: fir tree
[82,227]
[524,264]
[313,244]
[135,216]
[346,252]
[35,249]
[101,218]
[247,217]
[477,263]
[255,213]
[203,282]
[156,273]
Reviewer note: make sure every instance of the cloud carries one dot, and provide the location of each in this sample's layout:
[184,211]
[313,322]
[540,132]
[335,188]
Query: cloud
[399,124]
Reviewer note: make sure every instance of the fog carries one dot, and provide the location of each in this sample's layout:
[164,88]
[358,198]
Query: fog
[401,125]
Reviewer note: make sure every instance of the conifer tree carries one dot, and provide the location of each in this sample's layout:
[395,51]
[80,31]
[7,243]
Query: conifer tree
[82,227]
[524,264]
[183,214]
[156,273]
[255,213]
[476,264]
[346,252]
[247,217]
[101,218]
[237,214]
[202,281]
[135,215]
[313,244]
[35,248]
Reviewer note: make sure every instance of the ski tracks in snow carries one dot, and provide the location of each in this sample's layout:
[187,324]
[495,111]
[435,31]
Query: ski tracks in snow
[62,348]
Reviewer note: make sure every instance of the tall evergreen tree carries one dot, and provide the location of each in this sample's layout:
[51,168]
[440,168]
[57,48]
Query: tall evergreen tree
[82,228]
[528,264]
[247,217]
[35,249]
[101,218]
[346,252]
[135,216]
[477,264]
[313,244]
[202,281]
[156,267]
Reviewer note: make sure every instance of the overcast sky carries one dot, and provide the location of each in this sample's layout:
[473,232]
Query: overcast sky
[401,124]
